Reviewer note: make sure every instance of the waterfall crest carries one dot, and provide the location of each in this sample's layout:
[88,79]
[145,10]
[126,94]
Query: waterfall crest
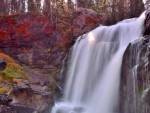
[94,69]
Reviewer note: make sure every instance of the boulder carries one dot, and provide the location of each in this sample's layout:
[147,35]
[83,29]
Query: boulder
[16,108]
[26,98]
[147,23]
[5,99]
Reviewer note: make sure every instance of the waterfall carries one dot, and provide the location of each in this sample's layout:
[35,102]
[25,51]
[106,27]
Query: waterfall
[93,75]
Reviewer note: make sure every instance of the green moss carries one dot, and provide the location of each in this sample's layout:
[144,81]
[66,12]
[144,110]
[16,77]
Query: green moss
[144,106]
[53,87]
[140,90]
[58,70]
[50,69]
[48,90]
[12,69]
[10,74]
[25,66]
[50,75]
[33,69]
[137,106]
[3,90]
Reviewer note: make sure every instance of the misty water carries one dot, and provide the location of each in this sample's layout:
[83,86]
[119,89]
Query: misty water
[93,76]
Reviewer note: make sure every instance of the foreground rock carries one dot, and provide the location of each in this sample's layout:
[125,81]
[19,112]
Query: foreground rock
[26,98]
[5,99]
[147,23]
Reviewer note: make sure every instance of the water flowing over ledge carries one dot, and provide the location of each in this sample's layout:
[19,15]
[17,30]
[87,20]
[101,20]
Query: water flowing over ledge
[94,70]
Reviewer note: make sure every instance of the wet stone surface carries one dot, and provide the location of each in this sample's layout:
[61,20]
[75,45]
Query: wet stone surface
[2,64]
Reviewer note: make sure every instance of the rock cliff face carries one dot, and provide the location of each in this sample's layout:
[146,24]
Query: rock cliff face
[39,42]
[135,78]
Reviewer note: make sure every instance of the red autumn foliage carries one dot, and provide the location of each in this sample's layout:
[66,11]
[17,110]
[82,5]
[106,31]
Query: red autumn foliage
[42,40]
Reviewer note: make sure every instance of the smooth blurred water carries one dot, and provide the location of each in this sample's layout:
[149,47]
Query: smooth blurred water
[94,70]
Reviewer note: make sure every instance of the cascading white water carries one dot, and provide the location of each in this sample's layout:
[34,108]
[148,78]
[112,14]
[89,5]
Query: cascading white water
[94,71]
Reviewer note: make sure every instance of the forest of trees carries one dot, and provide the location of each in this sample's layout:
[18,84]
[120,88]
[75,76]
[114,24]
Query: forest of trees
[116,9]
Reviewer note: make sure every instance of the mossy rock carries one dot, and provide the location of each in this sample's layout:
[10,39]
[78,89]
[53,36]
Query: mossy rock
[3,90]
[7,58]
[12,69]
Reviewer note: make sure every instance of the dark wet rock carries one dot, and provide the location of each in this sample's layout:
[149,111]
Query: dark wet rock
[2,64]
[135,77]
[5,109]
[26,97]
[21,89]
[16,108]
[147,98]
[30,97]
[147,23]
[5,99]
[42,83]
[58,89]
[21,86]
[146,39]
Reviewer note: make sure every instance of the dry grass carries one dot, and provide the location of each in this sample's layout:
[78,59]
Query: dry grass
[3,90]
[1,79]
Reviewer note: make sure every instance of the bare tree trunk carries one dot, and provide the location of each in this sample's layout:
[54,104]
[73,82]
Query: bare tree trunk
[20,5]
[31,5]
